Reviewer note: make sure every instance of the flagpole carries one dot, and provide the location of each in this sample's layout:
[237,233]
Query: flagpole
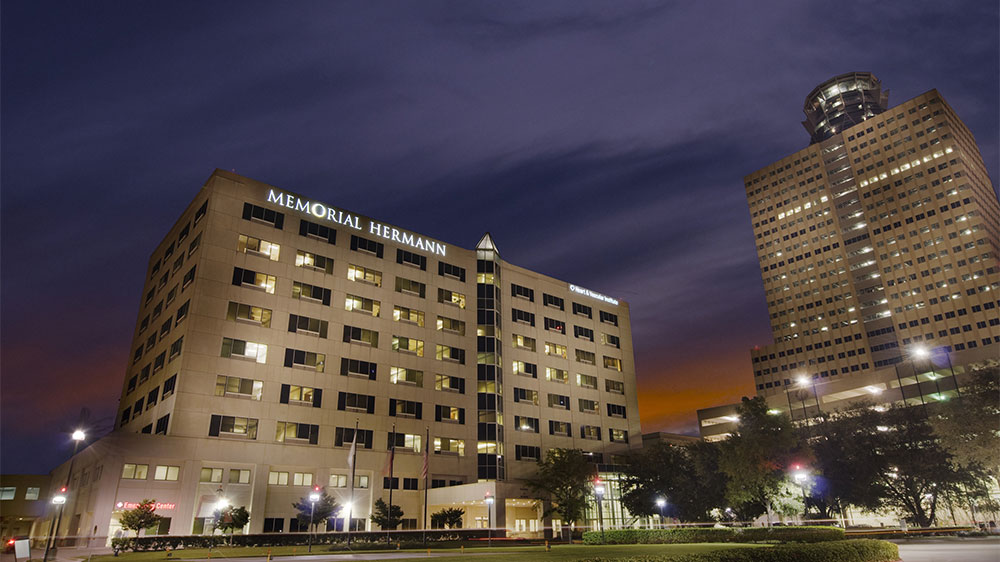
[392,460]
[353,460]
[427,444]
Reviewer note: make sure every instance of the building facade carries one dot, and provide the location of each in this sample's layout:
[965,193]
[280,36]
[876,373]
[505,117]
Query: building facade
[276,331]
[878,248]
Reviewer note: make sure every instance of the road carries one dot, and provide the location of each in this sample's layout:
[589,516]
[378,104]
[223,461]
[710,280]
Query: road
[945,550]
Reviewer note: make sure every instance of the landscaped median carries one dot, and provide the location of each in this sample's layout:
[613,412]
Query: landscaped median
[714,534]
[857,550]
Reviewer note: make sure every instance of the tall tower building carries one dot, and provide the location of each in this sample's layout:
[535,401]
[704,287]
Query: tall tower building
[878,239]
[275,331]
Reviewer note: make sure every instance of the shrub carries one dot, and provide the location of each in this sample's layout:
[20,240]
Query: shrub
[858,550]
[334,539]
[711,534]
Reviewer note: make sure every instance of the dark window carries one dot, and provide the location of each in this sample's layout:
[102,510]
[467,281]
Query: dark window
[609,318]
[553,301]
[359,244]
[200,213]
[584,333]
[345,435]
[449,270]
[410,258]
[554,325]
[582,310]
[161,425]
[527,452]
[318,231]
[522,316]
[356,367]
[355,402]
[169,385]
[254,213]
[274,525]
[523,292]
[616,411]
[304,324]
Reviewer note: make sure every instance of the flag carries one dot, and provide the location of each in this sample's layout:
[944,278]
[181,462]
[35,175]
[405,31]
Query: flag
[354,451]
[387,470]
[423,471]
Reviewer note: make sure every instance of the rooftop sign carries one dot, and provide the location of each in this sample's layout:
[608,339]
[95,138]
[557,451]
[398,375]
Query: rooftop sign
[593,295]
[345,218]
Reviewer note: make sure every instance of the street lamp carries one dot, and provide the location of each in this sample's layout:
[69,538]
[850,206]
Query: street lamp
[660,503]
[801,478]
[489,518]
[599,492]
[78,437]
[313,498]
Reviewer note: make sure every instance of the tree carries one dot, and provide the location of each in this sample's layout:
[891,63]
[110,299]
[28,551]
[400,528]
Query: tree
[563,480]
[231,518]
[686,477]
[968,425]
[757,457]
[143,516]
[383,517]
[326,508]
[450,517]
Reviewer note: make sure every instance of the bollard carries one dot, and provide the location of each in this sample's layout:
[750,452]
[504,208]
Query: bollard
[547,546]
[428,551]
[268,555]
[463,549]
[397,545]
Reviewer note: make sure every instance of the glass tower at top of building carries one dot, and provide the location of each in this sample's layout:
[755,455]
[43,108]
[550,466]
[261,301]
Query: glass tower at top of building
[841,102]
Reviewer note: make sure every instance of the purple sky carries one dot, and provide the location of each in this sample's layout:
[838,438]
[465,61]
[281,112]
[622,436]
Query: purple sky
[601,143]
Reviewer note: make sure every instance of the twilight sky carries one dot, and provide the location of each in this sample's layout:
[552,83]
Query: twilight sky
[602,143]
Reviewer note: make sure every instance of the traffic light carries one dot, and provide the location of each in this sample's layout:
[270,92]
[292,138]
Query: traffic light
[62,490]
[316,488]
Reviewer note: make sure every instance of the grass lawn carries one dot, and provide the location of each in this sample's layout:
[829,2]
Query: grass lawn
[559,553]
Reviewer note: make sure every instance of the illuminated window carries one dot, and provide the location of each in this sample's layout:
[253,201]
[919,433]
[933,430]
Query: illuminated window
[211,475]
[452,325]
[313,261]
[363,305]
[258,247]
[287,432]
[613,363]
[618,435]
[555,349]
[408,345]
[297,358]
[238,387]
[452,414]
[524,342]
[556,375]
[170,473]
[558,401]
[560,428]
[588,406]
[614,387]
[247,278]
[451,297]
[400,375]
[590,432]
[585,357]
[404,441]
[409,315]
[448,353]
[446,446]
[32,493]
[525,369]
[529,425]
[364,275]
[360,336]
[135,471]
[525,395]
[306,292]
[277,478]
[233,426]
[240,349]
[449,383]
[586,381]
[239,476]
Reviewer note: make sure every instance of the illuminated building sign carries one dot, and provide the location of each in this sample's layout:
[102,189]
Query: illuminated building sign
[156,506]
[593,295]
[344,218]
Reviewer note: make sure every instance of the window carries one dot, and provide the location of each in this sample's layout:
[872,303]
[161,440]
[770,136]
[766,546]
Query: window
[524,342]
[608,339]
[525,369]
[232,426]
[134,471]
[527,453]
[175,348]
[306,292]
[556,375]
[612,363]
[159,362]
[358,368]
[360,304]
[408,345]
[618,435]
[169,473]
[143,325]
[313,261]
[522,423]
[558,401]
[359,244]
[211,475]
[308,326]
[184,233]
[172,294]
[200,213]
[165,328]
[161,425]
[364,275]
[522,317]
[616,411]
[585,357]
[522,292]
[400,375]
[274,524]
[152,397]
[554,325]
[586,381]
[277,478]
[609,318]
[317,231]
[297,358]
[448,353]
[590,432]
[31,493]
[446,446]
[588,406]
[291,432]
[189,278]
[238,387]
[582,310]
[182,312]
[453,271]
[560,428]
[409,258]
[260,214]
[247,278]
[355,402]
[452,414]
[553,301]
[583,333]
[168,386]
[239,349]
[345,436]
[404,441]
[525,395]
[405,408]
[452,325]
[451,297]
[192,247]
[555,349]
[256,246]
[410,287]
[239,476]
[449,383]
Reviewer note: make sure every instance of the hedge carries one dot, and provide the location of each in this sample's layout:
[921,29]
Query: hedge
[163,542]
[713,534]
[857,550]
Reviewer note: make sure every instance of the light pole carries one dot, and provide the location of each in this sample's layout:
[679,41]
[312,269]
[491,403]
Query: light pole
[78,437]
[599,492]
[489,519]
[801,477]
[313,498]
[660,503]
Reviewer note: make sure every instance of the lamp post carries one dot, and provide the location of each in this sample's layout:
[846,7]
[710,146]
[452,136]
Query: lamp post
[599,492]
[489,519]
[313,498]
[78,437]
[660,503]
[801,477]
